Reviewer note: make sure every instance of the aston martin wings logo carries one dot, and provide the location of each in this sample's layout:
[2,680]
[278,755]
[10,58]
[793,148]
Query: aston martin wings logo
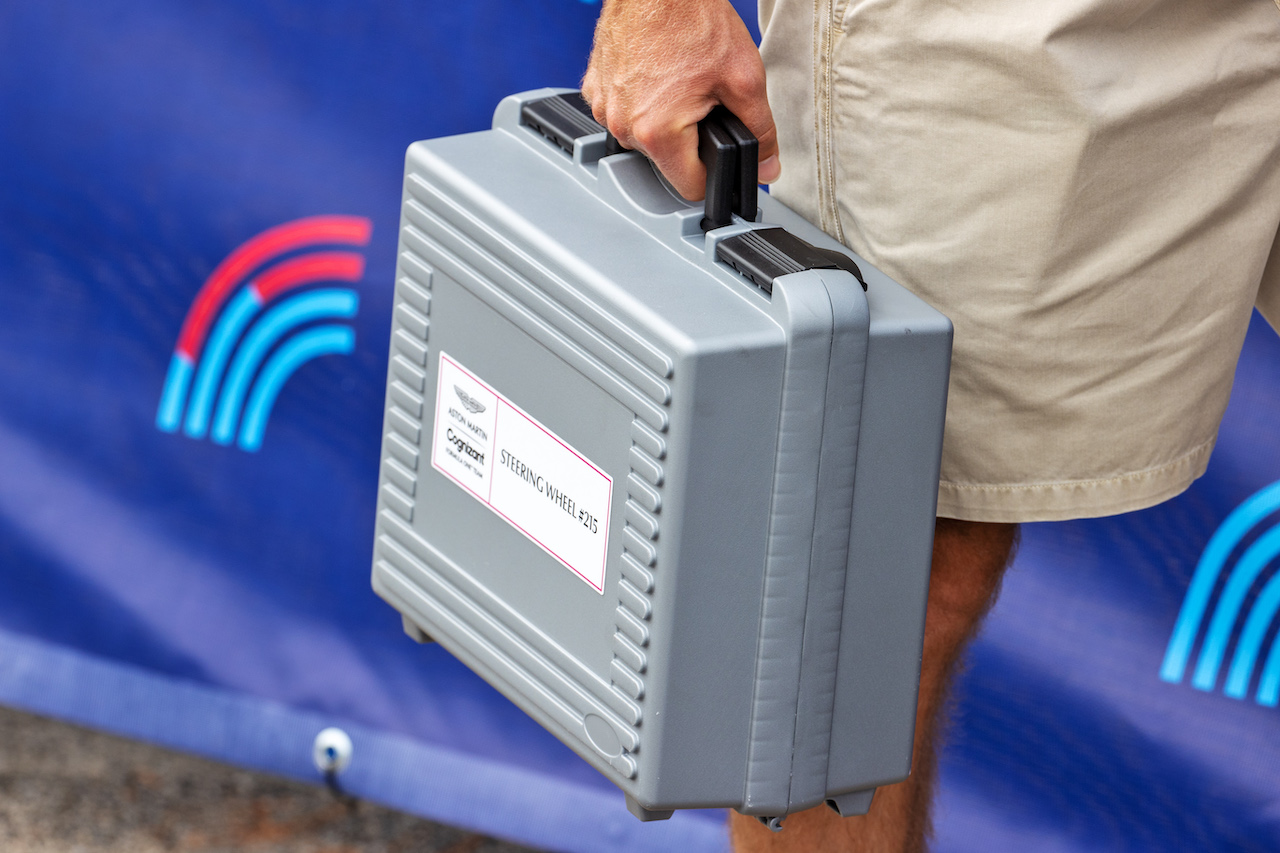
[471,404]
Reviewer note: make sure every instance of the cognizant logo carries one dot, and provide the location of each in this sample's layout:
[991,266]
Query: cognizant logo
[232,358]
[1243,566]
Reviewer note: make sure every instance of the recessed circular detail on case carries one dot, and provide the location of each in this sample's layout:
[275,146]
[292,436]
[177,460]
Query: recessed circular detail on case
[602,736]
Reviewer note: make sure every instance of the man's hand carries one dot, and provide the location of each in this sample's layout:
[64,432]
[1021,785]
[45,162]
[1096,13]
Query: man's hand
[657,69]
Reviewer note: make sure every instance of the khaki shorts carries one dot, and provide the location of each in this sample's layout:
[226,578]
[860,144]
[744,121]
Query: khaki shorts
[1089,189]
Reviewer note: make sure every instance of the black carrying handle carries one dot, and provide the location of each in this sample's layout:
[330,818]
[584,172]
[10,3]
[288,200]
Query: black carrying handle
[730,153]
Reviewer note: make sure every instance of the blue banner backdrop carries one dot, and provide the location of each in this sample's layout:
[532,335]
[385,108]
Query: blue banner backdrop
[185,530]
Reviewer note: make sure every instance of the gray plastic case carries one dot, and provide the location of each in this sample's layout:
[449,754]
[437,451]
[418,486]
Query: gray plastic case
[773,464]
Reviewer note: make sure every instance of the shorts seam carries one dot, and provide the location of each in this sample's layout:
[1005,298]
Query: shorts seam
[1146,473]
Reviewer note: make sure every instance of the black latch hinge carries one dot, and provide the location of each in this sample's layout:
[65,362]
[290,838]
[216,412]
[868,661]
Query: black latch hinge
[561,118]
[768,253]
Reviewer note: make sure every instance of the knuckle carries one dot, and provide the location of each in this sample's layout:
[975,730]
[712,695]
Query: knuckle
[619,130]
[745,80]
[647,135]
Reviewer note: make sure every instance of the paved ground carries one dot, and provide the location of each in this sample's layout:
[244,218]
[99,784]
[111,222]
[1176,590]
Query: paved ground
[64,789]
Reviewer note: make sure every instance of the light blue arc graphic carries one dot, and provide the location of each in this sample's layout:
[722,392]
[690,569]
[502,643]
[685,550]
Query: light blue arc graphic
[217,351]
[1247,570]
[270,328]
[1242,519]
[1269,684]
[1260,618]
[176,383]
[301,348]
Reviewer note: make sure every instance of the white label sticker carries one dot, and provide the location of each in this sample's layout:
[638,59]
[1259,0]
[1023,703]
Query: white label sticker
[522,471]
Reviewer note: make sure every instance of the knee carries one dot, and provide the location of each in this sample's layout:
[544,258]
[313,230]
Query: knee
[969,559]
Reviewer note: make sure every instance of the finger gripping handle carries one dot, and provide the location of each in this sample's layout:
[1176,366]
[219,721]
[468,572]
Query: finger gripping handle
[730,153]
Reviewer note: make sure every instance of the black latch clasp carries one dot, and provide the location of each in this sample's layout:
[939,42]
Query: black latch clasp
[561,118]
[769,253]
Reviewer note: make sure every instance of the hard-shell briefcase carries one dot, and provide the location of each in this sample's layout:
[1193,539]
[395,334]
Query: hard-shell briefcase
[665,475]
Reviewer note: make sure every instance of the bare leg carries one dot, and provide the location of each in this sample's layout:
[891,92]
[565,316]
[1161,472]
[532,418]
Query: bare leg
[969,559]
